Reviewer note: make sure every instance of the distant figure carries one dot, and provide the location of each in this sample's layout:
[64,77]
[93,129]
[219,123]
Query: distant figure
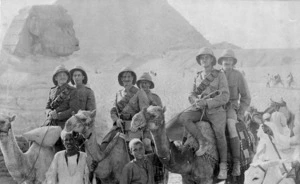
[290,80]
[153,73]
[274,80]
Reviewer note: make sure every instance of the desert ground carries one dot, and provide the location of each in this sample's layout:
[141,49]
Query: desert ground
[25,84]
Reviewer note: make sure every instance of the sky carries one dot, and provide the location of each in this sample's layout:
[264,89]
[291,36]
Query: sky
[248,24]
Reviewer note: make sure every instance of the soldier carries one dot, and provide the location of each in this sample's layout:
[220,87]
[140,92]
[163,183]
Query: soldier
[207,81]
[62,101]
[239,102]
[122,112]
[86,94]
[145,85]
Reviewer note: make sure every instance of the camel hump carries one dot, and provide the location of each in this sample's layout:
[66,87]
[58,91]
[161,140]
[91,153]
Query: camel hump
[44,136]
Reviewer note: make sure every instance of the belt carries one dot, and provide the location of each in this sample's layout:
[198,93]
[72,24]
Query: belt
[126,116]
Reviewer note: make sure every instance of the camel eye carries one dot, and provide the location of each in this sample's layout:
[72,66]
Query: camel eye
[256,178]
[2,121]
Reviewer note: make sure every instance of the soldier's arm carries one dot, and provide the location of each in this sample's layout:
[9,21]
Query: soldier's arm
[157,101]
[73,104]
[91,101]
[223,98]
[194,92]
[245,99]
[48,108]
[113,114]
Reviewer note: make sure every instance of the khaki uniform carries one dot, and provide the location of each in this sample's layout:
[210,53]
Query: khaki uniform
[87,99]
[123,100]
[239,91]
[214,111]
[69,103]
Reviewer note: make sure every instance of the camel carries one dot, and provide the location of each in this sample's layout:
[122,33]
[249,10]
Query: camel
[29,167]
[267,172]
[110,161]
[181,159]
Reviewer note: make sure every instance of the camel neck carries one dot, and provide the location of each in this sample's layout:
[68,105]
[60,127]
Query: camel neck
[161,140]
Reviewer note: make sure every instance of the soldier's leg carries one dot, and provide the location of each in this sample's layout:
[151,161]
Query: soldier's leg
[234,141]
[108,137]
[188,119]
[218,121]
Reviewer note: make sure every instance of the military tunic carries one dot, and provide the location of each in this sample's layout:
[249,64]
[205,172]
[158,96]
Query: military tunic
[87,99]
[123,97]
[68,103]
[216,103]
[238,90]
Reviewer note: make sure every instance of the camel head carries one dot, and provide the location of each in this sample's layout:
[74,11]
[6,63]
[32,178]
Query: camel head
[82,122]
[264,172]
[5,123]
[151,117]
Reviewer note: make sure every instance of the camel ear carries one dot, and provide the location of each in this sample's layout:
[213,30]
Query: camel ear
[12,118]
[73,113]
[93,113]
[164,109]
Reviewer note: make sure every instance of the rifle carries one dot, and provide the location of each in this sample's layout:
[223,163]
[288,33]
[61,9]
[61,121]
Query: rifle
[118,114]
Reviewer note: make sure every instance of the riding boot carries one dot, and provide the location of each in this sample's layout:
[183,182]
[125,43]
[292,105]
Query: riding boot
[223,171]
[109,136]
[204,144]
[236,155]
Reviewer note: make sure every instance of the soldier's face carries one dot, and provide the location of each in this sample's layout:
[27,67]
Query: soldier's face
[127,79]
[78,77]
[227,63]
[145,85]
[61,78]
[206,60]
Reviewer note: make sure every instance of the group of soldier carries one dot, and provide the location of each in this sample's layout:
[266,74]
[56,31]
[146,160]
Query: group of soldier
[218,96]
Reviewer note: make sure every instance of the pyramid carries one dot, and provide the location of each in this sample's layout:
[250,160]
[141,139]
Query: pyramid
[130,26]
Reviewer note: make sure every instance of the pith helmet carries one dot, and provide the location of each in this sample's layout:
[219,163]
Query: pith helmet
[127,69]
[145,77]
[228,53]
[206,51]
[79,68]
[58,69]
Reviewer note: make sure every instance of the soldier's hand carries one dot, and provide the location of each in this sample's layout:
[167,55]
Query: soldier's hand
[94,165]
[119,123]
[200,104]
[193,99]
[53,114]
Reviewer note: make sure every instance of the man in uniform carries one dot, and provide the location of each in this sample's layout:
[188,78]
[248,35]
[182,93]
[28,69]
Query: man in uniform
[145,85]
[208,81]
[86,94]
[122,112]
[62,101]
[239,102]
